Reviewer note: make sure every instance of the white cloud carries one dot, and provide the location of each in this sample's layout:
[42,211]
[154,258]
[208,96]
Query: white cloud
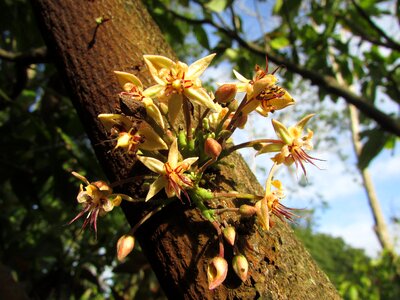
[385,167]
[358,234]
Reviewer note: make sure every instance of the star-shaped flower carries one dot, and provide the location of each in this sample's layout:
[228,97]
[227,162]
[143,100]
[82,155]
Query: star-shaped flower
[271,204]
[133,87]
[97,199]
[131,136]
[292,145]
[263,94]
[176,81]
[172,173]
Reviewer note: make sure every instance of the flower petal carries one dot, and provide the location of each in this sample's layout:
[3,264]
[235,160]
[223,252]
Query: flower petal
[174,107]
[200,97]
[152,140]
[80,177]
[124,78]
[198,67]
[173,154]
[270,147]
[282,132]
[240,77]
[154,91]
[189,161]
[153,111]
[300,125]
[156,186]
[110,120]
[153,164]
[157,62]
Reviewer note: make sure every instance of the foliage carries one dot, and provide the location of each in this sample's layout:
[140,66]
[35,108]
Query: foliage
[355,275]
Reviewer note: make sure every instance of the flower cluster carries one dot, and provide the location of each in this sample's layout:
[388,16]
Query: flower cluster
[179,156]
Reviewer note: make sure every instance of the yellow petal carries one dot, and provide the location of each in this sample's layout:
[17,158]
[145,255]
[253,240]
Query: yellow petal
[123,140]
[153,111]
[152,140]
[156,186]
[304,121]
[154,91]
[200,97]
[157,62]
[80,177]
[110,120]
[189,161]
[174,107]
[198,67]
[282,132]
[240,77]
[173,154]
[124,78]
[270,147]
[153,164]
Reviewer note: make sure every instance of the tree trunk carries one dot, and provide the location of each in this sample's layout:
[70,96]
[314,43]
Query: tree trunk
[380,228]
[177,241]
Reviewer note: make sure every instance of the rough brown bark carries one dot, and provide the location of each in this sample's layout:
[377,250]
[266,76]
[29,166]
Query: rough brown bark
[177,241]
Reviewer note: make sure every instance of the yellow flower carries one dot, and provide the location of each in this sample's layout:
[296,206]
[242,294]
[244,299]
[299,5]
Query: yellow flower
[292,145]
[133,87]
[271,204]
[172,173]
[132,136]
[263,95]
[176,80]
[97,199]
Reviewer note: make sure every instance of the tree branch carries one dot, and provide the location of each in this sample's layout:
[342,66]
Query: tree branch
[359,31]
[33,56]
[390,42]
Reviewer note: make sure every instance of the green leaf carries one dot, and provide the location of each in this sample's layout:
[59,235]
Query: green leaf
[376,141]
[280,42]
[201,36]
[277,7]
[217,5]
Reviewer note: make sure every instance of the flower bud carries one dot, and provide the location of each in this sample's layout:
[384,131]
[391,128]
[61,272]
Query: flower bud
[247,210]
[125,245]
[240,266]
[225,93]
[217,270]
[229,233]
[212,148]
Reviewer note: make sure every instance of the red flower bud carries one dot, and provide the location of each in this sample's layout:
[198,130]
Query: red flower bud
[240,266]
[212,148]
[216,272]
[229,234]
[125,245]
[225,93]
